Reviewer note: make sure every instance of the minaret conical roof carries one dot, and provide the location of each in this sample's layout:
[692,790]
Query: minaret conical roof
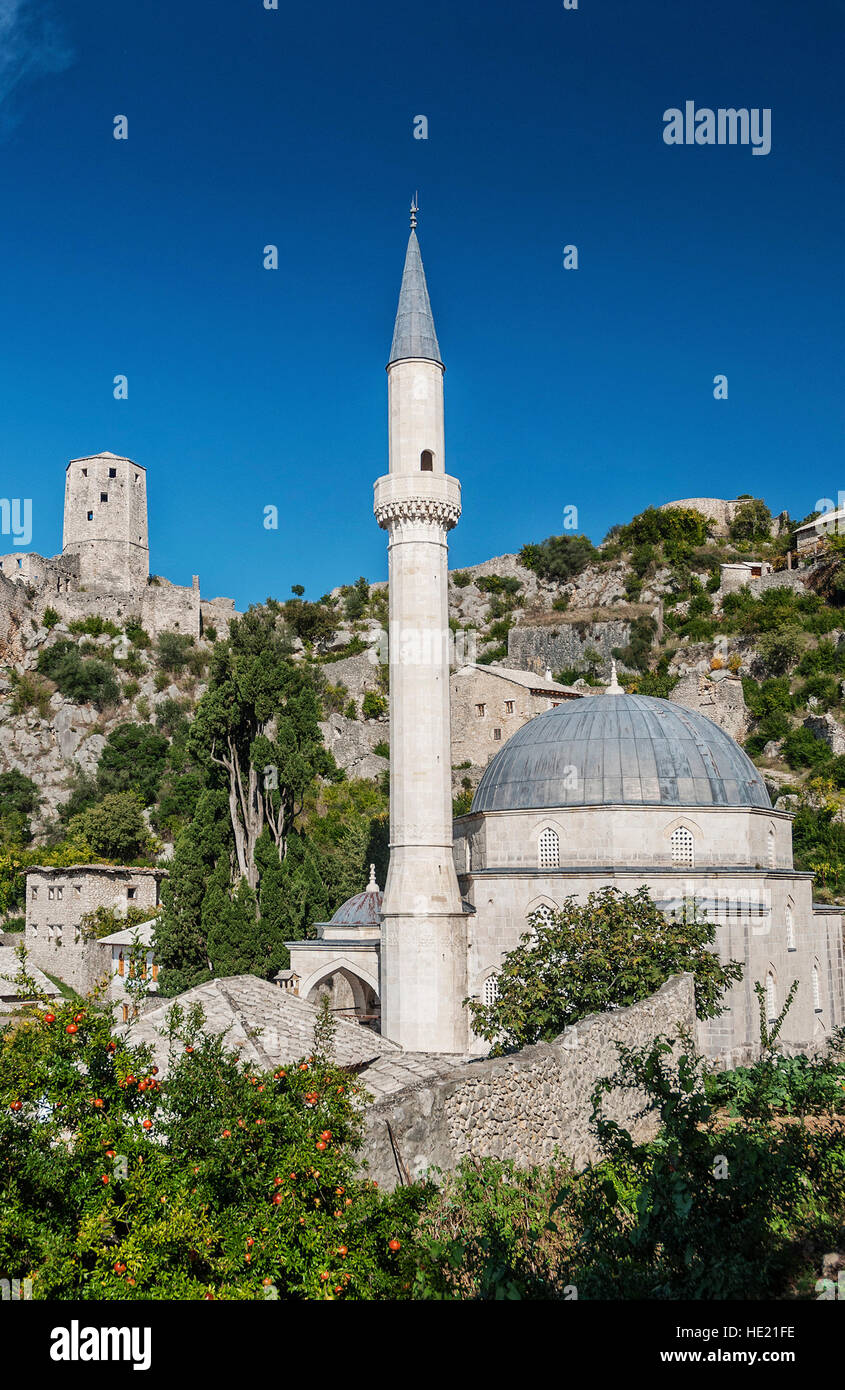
[413,333]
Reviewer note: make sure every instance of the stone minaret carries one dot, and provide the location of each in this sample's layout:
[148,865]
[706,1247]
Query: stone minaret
[423,935]
[106,521]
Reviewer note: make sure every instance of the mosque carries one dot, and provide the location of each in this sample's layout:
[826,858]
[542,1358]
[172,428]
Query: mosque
[622,790]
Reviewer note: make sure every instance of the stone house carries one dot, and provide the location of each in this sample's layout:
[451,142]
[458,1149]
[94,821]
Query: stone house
[123,947]
[57,899]
[489,703]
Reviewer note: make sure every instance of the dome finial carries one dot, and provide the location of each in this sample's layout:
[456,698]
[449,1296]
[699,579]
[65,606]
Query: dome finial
[414,211]
[614,688]
[372,886]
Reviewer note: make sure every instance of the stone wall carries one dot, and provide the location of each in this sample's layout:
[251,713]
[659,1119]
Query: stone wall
[562,648]
[719,696]
[527,1105]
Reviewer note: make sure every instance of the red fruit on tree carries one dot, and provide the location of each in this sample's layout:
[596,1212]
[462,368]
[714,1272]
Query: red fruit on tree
[277,1200]
[71,1028]
[105,1179]
[119,1268]
[16,1105]
[394,1245]
[49,1018]
[147,1124]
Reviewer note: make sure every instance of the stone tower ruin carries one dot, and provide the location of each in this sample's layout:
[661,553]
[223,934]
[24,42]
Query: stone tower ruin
[106,521]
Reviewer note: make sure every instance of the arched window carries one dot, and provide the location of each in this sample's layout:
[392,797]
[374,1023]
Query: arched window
[683,847]
[790,929]
[549,849]
[426,461]
[817,988]
[771,848]
[491,990]
[771,998]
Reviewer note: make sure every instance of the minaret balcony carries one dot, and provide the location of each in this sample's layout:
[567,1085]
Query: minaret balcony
[434,497]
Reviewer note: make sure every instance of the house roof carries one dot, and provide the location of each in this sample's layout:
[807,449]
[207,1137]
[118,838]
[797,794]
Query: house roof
[529,680]
[140,935]
[264,1024]
[9,968]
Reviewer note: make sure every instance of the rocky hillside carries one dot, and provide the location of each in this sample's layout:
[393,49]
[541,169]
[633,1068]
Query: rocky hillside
[765,660]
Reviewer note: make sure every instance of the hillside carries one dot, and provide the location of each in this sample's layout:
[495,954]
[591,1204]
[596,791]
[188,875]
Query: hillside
[92,711]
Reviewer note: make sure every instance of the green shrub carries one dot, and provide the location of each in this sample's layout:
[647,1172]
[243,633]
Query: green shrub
[49,618]
[138,635]
[209,632]
[85,681]
[94,626]
[559,557]
[173,650]
[382,749]
[30,692]
[803,749]
[373,706]
[461,578]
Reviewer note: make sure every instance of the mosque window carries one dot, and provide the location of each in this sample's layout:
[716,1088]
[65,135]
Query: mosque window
[549,849]
[112,472]
[497,735]
[817,989]
[508,706]
[104,497]
[426,461]
[771,848]
[771,998]
[85,472]
[90,516]
[491,990]
[683,847]
[790,929]
[480,711]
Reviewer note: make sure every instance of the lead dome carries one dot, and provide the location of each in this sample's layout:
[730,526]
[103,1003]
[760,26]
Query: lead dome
[622,750]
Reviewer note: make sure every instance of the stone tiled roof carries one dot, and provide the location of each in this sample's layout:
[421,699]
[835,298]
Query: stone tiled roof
[9,967]
[265,1025]
[111,870]
[395,1072]
[530,680]
[141,935]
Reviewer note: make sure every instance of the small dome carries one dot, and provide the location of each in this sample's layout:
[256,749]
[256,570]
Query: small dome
[362,910]
[620,750]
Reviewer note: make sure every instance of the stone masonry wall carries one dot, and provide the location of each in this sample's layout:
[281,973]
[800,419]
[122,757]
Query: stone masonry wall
[525,1106]
[562,648]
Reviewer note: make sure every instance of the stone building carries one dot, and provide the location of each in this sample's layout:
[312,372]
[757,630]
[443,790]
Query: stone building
[489,703]
[617,790]
[343,960]
[628,790]
[104,565]
[57,899]
[130,953]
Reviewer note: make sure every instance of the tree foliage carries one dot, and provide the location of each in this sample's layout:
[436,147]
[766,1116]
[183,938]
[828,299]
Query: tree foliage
[606,953]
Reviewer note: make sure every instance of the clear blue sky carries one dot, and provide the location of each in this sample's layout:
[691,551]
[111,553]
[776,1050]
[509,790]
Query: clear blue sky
[249,387]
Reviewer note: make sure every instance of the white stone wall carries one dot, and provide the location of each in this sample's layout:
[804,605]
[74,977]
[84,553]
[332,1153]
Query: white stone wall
[749,909]
[624,836]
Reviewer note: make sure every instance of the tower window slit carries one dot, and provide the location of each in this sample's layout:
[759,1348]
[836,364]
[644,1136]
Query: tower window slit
[426,461]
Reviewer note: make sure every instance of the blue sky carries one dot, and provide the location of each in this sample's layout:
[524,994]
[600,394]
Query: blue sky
[250,387]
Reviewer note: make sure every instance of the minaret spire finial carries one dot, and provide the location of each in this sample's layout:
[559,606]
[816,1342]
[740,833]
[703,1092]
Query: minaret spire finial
[414,211]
